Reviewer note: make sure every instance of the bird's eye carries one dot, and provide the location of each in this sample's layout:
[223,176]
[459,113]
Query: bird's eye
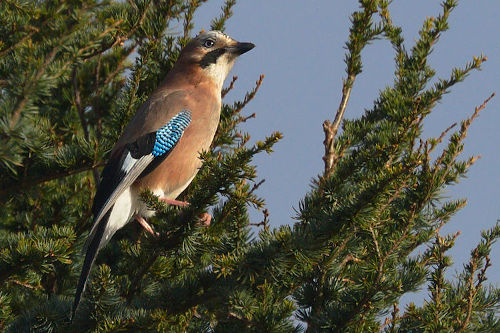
[209,43]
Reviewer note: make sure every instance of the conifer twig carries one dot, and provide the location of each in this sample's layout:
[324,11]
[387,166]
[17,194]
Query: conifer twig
[24,284]
[470,297]
[27,89]
[134,284]
[47,177]
[188,16]
[462,133]
[238,106]
[361,33]
[265,222]
[81,114]
[473,287]
[33,30]
[377,248]
[391,320]
[330,129]
[219,22]
[78,104]
[230,87]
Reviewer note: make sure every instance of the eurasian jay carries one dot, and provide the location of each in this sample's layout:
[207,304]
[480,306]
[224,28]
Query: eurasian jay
[159,149]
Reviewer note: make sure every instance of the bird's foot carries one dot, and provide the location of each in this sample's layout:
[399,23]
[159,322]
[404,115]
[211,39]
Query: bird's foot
[146,225]
[205,220]
[174,202]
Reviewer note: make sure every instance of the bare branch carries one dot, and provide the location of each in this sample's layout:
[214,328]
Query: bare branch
[231,86]
[330,158]
[265,222]
[361,33]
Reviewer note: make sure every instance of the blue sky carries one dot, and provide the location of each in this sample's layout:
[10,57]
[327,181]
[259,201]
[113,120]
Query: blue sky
[299,47]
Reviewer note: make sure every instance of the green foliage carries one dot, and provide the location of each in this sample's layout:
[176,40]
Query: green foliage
[456,306]
[72,73]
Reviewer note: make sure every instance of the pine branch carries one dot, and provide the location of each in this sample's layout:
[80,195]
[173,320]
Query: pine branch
[16,114]
[188,16]
[219,22]
[29,183]
[32,31]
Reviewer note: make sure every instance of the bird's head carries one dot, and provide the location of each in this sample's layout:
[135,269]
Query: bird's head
[214,53]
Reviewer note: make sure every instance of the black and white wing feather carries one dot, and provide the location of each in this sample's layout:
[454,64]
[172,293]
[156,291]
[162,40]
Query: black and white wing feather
[134,159]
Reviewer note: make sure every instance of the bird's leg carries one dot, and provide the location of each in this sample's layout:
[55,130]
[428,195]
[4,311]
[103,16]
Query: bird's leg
[145,225]
[205,218]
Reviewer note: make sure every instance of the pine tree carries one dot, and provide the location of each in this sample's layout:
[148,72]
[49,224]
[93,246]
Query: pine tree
[71,75]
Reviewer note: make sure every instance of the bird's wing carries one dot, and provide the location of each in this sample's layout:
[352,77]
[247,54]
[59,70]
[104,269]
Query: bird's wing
[121,171]
[133,159]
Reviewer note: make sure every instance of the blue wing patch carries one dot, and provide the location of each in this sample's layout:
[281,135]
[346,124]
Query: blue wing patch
[168,135]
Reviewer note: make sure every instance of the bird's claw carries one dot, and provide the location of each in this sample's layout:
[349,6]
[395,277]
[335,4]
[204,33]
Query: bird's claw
[204,220]
[146,225]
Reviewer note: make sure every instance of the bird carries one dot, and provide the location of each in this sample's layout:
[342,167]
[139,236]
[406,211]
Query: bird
[159,148]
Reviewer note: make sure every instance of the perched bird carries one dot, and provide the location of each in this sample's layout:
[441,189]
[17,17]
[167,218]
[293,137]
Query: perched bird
[159,149]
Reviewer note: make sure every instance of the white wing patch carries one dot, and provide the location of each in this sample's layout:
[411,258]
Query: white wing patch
[133,168]
[123,209]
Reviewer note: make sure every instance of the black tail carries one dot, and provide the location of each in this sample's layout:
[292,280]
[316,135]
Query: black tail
[92,250]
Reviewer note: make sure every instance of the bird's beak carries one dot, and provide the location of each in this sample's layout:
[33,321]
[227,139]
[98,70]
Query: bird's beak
[240,48]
